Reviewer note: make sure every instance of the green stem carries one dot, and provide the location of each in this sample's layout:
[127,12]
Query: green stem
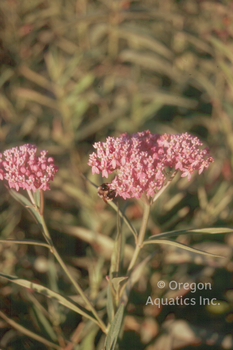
[31,198]
[75,284]
[59,259]
[46,233]
[140,239]
[41,202]
[158,194]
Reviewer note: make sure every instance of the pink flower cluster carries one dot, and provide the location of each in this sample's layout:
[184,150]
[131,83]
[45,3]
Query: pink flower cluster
[23,169]
[142,160]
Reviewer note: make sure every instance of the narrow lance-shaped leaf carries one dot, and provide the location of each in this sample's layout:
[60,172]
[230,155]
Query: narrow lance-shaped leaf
[36,196]
[26,203]
[39,218]
[133,278]
[115,207]
[116,282]
[114,329]
[115,267]
[117,254]
[182,246]
[50,294]
[25,241]
[44,323]
[207,230]
[110,305]
[29,206]
[122,215]
[121,243]
[29,333]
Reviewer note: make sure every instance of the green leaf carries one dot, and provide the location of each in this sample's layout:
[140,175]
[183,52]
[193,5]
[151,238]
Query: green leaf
[133,278]
[182,246]
[115,258]
[44,323]
[88,341]
[37,198]
[65,301]
[114,329]
[122,215]
[26,203]
[115,207]
[117,254]
[39,218]
[110,305]
[208,230]
[29,333]
[213,230]
[25,241]
[120,243]
[116,282]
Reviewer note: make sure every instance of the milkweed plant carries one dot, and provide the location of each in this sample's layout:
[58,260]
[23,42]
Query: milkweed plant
[143,165]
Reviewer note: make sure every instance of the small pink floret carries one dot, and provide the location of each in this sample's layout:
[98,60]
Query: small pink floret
[23,169]
[1,174]
[142,160]
[35,167]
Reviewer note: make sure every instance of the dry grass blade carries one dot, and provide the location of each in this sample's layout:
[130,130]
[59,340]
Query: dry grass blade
[150,62]
[100,123]
[168,99]
[222,47]
[7,107]
[5,76]
[135,38]
[197,42]
[35,77]
[30,95]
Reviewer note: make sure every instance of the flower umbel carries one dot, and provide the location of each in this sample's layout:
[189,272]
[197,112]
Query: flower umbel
[23,169]
[143,160]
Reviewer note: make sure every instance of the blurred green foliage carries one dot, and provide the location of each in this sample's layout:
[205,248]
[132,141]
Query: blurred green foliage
[72,73]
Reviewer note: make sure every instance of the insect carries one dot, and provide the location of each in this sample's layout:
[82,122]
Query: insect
[106,193]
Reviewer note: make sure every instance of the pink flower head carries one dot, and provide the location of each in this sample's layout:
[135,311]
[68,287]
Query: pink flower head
[141,160]
[23,169]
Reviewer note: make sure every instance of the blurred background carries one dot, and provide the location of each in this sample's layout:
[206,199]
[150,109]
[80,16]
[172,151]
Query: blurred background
[74,72]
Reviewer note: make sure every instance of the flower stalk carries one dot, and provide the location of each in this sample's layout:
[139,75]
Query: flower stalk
[158,194]
[141,235]
[146,212]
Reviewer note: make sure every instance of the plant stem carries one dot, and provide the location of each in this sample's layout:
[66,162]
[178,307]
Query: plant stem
[59,259]
[46,233]
[75,284]
[79,290]
[41,202]
[140,238]
[31,198]
[158,194]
